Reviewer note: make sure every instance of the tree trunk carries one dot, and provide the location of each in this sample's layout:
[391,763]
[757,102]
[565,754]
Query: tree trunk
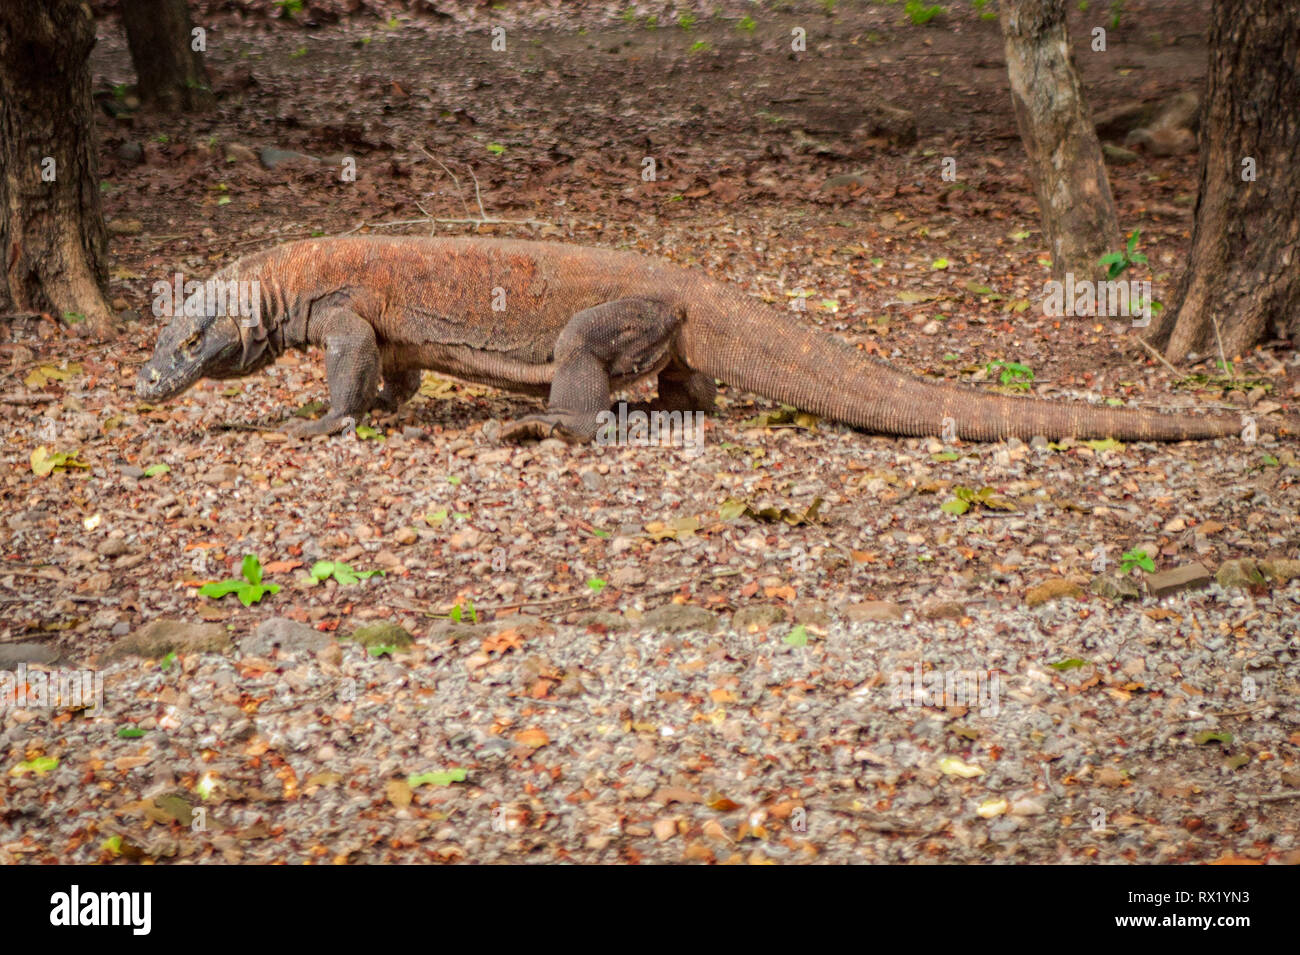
[1244,268]
[52,233]
[170,74]
[1065,159]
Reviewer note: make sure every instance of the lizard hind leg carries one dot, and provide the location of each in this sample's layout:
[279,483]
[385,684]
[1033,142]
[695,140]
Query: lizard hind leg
[622,341]
[397,388]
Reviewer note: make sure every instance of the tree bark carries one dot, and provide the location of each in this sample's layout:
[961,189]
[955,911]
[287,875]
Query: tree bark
[1243,273]
[1065,160]
[52,234]
[170,75]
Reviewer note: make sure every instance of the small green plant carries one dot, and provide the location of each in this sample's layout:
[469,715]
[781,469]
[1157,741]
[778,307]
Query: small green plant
[1116,9]
[1120,262]
[747,24]
[1136,558]
[290,7]
[250,590]
[342,573]
[459,613]
[700,45]
[496,149]
[596,584]
[1012,375]
[919,13]
[686,21]
[629,15]
[652,22]
[298,53]
[985,14]
[828,7]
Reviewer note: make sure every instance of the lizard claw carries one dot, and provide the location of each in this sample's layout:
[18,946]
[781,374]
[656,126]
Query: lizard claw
[539,427]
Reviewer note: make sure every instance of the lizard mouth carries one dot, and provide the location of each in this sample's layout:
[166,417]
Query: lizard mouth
[159,385]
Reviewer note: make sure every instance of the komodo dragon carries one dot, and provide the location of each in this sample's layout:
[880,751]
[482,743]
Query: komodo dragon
[574,324]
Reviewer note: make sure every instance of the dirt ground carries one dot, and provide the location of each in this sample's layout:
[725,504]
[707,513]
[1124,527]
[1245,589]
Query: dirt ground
[611,659]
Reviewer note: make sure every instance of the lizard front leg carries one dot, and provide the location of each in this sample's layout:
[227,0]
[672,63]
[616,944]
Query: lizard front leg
[351,369]
[623,339]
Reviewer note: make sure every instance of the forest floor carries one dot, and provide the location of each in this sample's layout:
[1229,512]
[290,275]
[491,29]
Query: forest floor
[610,659]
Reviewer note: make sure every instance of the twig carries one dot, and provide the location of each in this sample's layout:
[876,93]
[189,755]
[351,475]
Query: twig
[1160,358]
[1223,359]
[27,399]
[454,180]
[1278,797]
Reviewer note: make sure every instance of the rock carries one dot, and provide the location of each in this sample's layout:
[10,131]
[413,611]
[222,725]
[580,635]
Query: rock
[125,226]
[289,635]
[406,536]
[1162,142]
[272,158]
[113,547]
[451,630]
[1243,573]
[604,618]
[812,613]
[1187,577]
[939,609]
[872,610]
[1052,589]
[1118,154]
[1115,587]
[237,152]
[756,617]
[12,654]
[626,577]
[1280,569]
[383,634]
[930,328]
[220,474]
[157,638]
[1180,111]
[672,618]
[1027,807]
[130,152]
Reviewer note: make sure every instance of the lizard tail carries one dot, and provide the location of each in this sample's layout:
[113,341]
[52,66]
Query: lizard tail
[745,344]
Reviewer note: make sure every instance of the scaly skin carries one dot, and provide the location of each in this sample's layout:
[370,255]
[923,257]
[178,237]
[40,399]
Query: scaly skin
[574,323]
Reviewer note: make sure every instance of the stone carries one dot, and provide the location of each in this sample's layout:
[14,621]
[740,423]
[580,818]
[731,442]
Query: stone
[1280,569]
[673,618]
[1191,576]
[272,158]
[1052,589]
[756,617]
[382,634]
[1118,155]
[289,635]
[157,638]
[872,610]
[1115,587]
[12,654]
[1243,573]
[938,609]
[237,152]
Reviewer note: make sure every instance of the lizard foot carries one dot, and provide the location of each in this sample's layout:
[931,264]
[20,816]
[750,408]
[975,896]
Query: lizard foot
[321,426]
[539,427]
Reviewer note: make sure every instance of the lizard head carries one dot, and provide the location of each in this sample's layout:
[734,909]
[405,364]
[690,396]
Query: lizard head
[210,336]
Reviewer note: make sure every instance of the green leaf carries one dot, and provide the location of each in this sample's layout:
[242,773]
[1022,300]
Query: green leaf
[596,584]
[252,569]
[156,469]
[1111,258]
[1068,664]
[322,569]
[367,433]
[1210,736]
[495,149]
[945,456]
[40,766]
[130,732]
[1108,444]
[732,508]
[442,778]
[939,264]
[955,506]
[382,649]
[168,661]
[797,637]
[219,589]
